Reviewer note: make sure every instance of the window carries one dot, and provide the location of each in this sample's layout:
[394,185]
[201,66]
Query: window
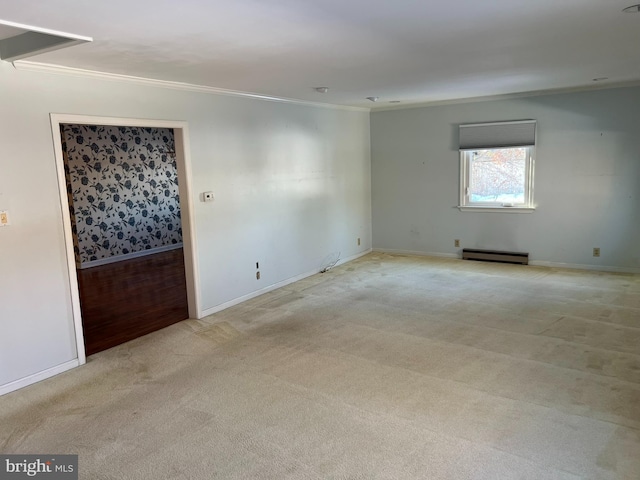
[496,166]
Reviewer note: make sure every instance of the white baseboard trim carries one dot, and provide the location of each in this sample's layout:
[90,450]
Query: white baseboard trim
[579,266]
[351,258]
[270,288]
[37,377]
[394,251]
[535,263]
[128,256]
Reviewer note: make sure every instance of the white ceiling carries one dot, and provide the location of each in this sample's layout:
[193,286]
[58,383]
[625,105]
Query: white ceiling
[414,51]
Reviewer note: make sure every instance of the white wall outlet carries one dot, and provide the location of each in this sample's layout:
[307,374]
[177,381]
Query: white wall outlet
[4,218]
[208,197]
[596,251]
[456,243]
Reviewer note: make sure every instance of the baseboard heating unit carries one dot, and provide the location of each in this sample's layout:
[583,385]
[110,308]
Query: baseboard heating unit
[520,258]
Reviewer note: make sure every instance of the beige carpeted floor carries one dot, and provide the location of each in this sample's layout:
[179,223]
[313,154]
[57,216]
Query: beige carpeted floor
[388,367]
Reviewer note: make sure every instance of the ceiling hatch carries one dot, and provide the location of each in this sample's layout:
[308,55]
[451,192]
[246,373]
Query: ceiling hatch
[18,41]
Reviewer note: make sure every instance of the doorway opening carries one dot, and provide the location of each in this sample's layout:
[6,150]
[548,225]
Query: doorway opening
[126,203]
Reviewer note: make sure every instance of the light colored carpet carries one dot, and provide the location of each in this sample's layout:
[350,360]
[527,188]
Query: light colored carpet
[389,367]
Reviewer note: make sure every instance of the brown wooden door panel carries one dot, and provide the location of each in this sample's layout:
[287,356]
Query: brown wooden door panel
[125,300]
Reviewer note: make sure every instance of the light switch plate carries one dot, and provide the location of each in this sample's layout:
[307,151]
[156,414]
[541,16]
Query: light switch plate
[4,218]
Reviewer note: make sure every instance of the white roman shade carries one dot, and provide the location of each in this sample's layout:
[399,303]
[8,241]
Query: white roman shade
[497,135]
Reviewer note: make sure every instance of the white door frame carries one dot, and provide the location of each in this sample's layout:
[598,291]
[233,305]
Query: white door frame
[183,161]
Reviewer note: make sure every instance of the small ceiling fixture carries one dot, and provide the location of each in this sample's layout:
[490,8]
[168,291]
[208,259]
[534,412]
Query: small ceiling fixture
[372,99]
[322,89]
[18,41]
[632,9]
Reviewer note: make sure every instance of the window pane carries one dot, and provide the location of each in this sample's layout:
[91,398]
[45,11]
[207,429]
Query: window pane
[498,175]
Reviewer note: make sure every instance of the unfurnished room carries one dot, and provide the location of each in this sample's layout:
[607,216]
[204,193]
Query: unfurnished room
[320,240]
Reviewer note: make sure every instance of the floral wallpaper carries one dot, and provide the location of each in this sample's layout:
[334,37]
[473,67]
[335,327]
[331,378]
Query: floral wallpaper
[122,185]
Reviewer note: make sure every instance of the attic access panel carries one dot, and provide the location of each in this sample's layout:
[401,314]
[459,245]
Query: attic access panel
[18,41]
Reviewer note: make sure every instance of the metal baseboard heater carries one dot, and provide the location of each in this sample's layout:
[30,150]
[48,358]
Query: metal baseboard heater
[520,258]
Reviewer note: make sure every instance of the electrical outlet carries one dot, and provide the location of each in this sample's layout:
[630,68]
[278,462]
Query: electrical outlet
[456,242]
[4,219]
[208,197]
[257,275]
[358,241]
[596,251]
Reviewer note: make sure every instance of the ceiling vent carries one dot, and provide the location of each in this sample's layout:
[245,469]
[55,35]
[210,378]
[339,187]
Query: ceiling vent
[18,41]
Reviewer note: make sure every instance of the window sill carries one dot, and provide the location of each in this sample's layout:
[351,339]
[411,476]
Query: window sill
[497,209]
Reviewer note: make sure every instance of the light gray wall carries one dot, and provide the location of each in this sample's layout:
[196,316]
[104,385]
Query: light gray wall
[292,185]
[587,180]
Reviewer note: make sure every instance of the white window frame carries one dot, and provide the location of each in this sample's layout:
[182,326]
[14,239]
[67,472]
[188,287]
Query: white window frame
[527,206]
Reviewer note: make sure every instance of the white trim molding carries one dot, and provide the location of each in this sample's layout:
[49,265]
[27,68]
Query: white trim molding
[151,82]
[580,266]
[534,263]
[183,158]
[508,96]
[467,208]
[127,256]
[37,377]
[393,251]
[275,286]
